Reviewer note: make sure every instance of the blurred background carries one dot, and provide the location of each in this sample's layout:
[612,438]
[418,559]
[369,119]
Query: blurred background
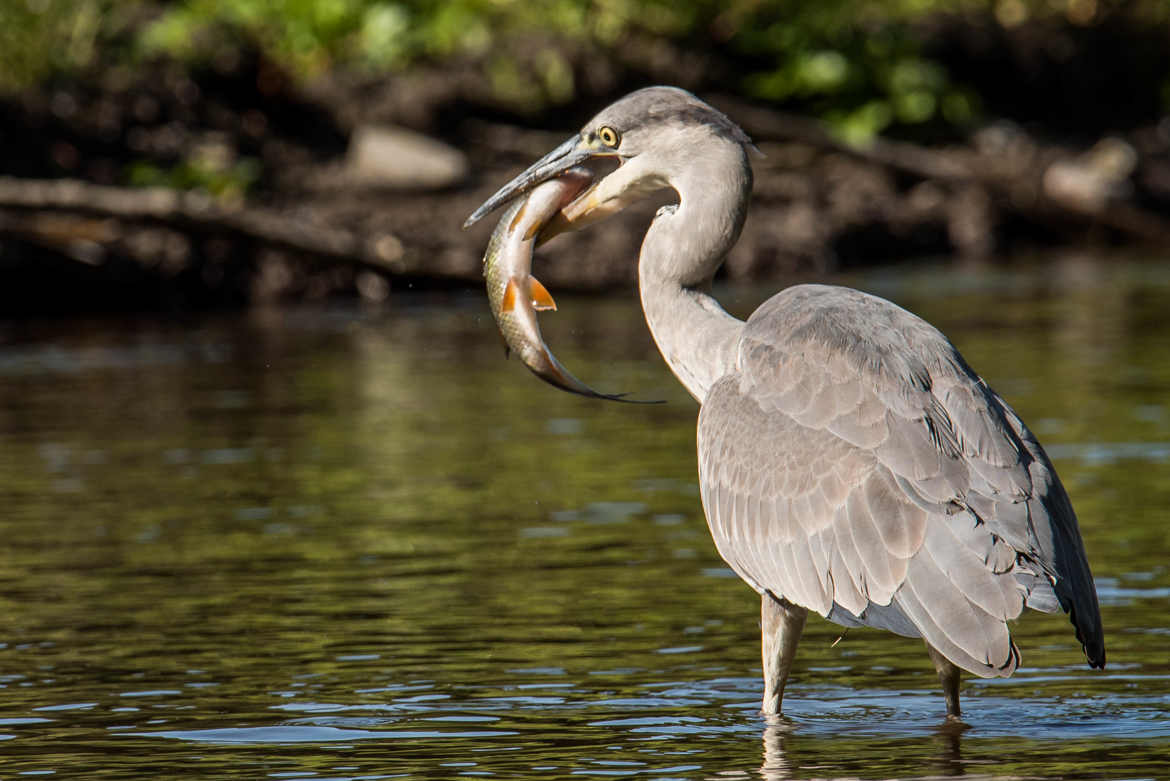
[192,154]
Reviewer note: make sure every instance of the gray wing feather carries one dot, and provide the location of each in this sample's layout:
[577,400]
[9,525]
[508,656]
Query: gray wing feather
[855,465]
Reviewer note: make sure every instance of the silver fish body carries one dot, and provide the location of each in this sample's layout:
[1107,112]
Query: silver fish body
[514,294]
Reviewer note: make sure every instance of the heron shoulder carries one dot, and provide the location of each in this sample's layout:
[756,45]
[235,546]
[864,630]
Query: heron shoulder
[884,380]
[867,334]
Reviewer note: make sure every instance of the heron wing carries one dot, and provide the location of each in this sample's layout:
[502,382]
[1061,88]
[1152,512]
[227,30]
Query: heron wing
[855,465]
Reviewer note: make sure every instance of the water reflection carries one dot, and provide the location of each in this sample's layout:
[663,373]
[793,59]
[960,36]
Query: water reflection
[779,738]
[359,543]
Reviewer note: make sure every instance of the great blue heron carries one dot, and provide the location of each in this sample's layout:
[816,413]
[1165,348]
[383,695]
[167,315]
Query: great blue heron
[850,461]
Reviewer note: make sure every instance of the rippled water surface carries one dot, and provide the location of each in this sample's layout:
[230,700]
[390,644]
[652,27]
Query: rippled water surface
[356,544]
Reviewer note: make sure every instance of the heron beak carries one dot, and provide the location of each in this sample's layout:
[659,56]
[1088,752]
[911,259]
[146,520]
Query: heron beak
[591,206]
[630,182]
[572,152]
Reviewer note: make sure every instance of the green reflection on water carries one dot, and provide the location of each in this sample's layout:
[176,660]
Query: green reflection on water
[356,543]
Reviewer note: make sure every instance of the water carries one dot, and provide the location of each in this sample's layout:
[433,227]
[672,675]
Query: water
[350,544]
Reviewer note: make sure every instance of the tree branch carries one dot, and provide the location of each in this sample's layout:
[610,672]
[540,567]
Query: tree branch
[197,212]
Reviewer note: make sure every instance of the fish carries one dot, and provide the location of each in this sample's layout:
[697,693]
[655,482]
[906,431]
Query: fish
[515,295]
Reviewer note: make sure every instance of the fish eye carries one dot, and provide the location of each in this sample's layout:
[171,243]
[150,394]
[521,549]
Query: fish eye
[608,136]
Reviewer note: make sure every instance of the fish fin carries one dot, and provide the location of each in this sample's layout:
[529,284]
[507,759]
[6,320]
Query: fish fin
[516,220]
[541,298]
[509,302]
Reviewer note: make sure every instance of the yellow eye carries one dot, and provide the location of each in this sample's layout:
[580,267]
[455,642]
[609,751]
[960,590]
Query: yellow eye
[608,136]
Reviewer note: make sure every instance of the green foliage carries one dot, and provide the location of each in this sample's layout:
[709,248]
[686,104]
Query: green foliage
[309,36]
[224,182]
[39,37]
[306,35]
[857,63]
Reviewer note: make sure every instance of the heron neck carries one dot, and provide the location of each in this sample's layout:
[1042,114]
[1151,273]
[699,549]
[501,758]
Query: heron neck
[696,337]
[680,255]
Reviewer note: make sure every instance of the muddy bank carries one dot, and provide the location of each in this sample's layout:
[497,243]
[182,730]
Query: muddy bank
[231,184]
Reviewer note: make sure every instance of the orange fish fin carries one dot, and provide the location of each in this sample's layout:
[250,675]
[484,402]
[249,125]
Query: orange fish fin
[509,302]
[541,298]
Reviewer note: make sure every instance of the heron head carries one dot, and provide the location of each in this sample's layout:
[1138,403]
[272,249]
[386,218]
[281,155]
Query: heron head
[655,135]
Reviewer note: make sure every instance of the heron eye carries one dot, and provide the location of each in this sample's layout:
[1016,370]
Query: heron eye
[608,136]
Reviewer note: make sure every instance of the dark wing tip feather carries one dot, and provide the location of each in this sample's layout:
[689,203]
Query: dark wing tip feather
[1093,644]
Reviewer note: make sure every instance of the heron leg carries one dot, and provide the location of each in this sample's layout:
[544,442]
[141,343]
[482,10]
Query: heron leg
[781,623]
[948,676]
